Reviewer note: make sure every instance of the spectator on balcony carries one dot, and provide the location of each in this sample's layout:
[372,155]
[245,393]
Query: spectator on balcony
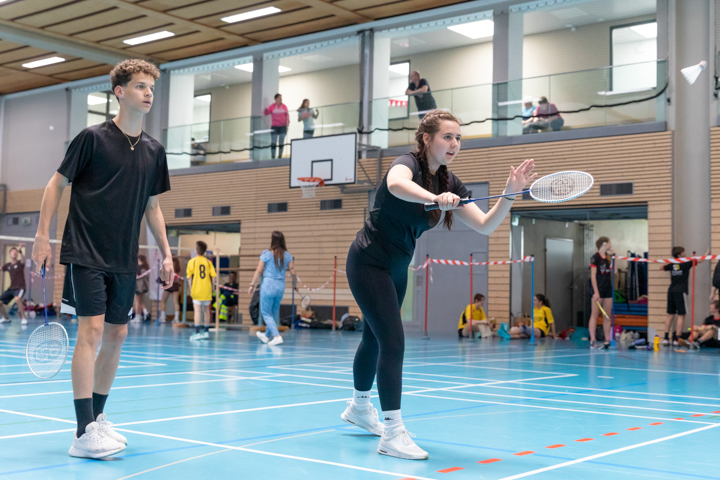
[307,115]
[547,116]
[280,121]
[420,89]
[528,118]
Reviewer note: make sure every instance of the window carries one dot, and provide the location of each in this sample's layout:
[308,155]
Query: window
[612,189]
[201,118]
[399,102]
[102,106]
[219,211]
[183,212]
[277,207]
[633,55]
[331,204]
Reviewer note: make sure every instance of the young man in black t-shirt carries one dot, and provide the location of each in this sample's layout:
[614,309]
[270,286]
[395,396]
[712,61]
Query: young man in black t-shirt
[677,292]
[16,291]
[602,290]
[706,335]
[117,173]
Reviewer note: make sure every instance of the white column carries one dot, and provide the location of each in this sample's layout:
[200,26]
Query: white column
[380,90]
[180,119]
[508,40]
[265,84]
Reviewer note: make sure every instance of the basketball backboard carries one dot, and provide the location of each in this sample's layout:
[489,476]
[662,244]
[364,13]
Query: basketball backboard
[332,158]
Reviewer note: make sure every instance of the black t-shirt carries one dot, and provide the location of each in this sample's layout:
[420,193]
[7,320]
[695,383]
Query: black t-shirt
[111,185]
[424,101]
[394,225]
[603,273]
[679,274]
[17,274]
[231,295]
[716,276]
[715,322]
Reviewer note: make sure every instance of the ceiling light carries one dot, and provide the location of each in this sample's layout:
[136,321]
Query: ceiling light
[248,15]
[204,98]
[93,100]
[149,38]
[248,67]
[475,30]
[43,62]
[401,68]
[647,30]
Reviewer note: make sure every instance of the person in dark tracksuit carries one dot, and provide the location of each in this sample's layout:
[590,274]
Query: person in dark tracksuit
[378,261]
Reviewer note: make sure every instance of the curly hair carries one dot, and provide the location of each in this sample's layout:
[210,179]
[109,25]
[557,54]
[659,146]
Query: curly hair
[122,73]
[430,124]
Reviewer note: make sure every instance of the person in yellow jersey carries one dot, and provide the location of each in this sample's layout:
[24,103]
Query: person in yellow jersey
[200,274]
[474,311]
[544,321]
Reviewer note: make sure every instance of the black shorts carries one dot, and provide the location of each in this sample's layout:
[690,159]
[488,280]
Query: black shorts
[605,292]
[460,330]
[9,294]
[676,303]
[88,292]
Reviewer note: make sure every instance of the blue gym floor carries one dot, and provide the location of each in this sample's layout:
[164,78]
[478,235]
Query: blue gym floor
[483,409]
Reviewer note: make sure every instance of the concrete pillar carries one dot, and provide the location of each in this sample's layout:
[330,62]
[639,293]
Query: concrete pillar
[180,119]
[265,84]
[380,89]
[691,140]
[367,42]
[78,108]
[507,71]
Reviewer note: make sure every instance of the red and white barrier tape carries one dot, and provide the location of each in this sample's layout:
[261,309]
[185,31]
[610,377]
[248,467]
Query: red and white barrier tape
[460,263]
[669,260]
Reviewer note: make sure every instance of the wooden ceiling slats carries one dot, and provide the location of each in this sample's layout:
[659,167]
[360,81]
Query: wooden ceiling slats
[62,14]
[17,10]
[118,42]
[202,49]
[101,20]
[64,67]
[214,20]
[123,30]
[26,53]
[193,38]
[87,73]
[299,29]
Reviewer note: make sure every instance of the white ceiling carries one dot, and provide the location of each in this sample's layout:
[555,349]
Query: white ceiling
[585,13]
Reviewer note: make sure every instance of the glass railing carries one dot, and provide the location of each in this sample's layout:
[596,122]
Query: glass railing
[251,138]
[619,94]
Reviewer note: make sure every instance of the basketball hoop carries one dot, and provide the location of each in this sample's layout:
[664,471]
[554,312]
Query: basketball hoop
[308,185]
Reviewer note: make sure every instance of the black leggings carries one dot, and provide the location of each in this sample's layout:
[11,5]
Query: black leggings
[379,290]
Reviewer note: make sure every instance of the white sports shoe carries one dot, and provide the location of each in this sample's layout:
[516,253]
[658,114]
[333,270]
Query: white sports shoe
[94,444]
[196,336]
[5,320]
[367,419]
[275,341]
[397,443]
[204,335]
[666,342]
[262,337]
[107,429]
[24,321]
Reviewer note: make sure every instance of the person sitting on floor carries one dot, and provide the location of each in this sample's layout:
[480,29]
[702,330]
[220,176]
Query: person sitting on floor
[475,312]
[706,335]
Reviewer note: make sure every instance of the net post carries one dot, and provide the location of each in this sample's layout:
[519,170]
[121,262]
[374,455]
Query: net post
[334,291]
[532,300]
[612,307]
[692,299]
[184,305]
[157,310]
[292,322]
[427,280]
[217,292]
[472,335]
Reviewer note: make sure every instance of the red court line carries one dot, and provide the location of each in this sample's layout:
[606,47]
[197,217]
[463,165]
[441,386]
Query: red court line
[717,411]
[557,446]
[656,423]
[453,469]
[635,428]
[698,415]
[491,460]
[678,419]
[585,440]
[610,434]
[409,478]
[529,452]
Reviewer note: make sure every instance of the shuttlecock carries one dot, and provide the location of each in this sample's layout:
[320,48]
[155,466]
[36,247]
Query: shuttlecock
[691,73]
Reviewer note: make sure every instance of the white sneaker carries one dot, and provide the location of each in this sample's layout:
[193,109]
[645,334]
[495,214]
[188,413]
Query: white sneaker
[666,342]
[106,428]
[676,343]
[162,318]
[367,419]
[397,443]
[196,336]
[94,444]
[262,337]
[204,335]
[5,320]
[275,341]
[24,321]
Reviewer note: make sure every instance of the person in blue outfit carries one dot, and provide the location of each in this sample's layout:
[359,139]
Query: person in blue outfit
[272,267]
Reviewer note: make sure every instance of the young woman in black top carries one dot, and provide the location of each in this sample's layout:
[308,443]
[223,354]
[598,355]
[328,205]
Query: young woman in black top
[602,291]
[378,262]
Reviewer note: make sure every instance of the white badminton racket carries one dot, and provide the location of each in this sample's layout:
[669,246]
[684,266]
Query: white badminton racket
[304,299]
[47,347]
[554,188]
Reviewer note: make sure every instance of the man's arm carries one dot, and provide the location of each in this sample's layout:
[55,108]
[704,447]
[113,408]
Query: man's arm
[156,223]
[50,202]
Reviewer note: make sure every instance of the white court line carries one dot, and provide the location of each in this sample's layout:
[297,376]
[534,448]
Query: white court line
[611,452]
[458,364]
[281,455]
[622,391]
[421,394]
[648,370]
[600,376]
[222,451]
[38,433]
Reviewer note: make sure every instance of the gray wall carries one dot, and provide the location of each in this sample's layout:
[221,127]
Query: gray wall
[35,129]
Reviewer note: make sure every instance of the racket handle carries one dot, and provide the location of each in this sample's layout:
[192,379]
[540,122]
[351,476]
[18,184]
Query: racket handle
[435,206]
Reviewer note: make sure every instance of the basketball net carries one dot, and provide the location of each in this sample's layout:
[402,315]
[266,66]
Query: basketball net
[308,186]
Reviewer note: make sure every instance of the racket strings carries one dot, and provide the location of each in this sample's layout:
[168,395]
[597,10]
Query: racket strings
[47,350]
[561,186]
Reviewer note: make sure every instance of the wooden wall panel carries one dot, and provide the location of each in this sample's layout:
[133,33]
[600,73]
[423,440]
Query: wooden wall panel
[715,192]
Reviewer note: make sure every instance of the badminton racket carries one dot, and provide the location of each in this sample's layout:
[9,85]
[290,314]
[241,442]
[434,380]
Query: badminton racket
[602,310]
[304,299]
[554,188]
[47,347]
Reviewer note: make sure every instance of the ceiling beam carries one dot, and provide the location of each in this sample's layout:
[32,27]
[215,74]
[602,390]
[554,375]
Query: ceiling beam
[76,47]
[337,11]
[169,17]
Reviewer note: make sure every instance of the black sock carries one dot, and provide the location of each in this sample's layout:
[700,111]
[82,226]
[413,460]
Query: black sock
[98,404]
[207,328]
[675,337]
[84,414]
[197,328]
[666,335]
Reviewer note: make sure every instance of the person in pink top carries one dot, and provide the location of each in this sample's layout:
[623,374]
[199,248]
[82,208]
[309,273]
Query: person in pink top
[280,121]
